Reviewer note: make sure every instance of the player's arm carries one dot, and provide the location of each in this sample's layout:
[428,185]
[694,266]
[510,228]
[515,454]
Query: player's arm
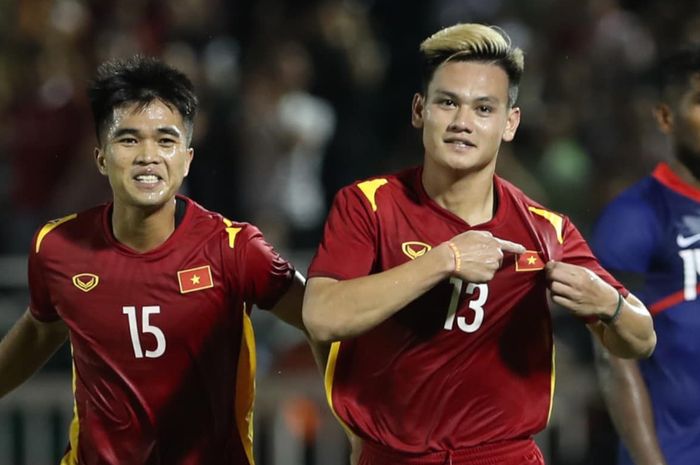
[627,399]
[28,345]
[340,309]
[625,326]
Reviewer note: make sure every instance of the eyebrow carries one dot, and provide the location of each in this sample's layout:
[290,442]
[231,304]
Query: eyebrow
[172,131]
[453,96]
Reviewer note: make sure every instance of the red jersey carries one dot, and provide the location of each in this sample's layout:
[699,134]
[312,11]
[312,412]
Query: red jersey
[163,348]
[464,364]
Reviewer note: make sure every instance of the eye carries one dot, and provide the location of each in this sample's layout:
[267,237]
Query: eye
[484,109]
[127,140]
[167,141]
[447,102]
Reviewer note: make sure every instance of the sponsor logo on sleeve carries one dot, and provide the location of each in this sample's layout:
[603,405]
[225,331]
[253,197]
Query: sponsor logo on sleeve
[195,279]
[86,281]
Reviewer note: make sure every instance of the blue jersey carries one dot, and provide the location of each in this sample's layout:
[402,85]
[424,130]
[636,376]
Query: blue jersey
[653,229]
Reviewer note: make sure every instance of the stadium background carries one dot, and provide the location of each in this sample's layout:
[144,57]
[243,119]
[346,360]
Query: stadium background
[297,99]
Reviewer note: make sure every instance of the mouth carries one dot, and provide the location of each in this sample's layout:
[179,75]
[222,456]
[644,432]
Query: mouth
[460,143]
[147,181]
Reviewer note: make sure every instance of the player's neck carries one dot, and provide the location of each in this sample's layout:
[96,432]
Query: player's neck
[143,229]
[469,195]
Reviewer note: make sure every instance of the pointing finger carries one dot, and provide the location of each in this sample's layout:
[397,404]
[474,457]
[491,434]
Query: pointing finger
[509,246]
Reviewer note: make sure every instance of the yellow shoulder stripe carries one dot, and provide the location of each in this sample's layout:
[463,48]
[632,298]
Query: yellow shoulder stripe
[556,220]
[369,188]
[232,232]
[50,226]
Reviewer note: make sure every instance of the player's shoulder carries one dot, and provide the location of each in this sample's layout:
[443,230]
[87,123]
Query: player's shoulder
[206,223]
[542,218]
[640,201]
[382,189]
[72,228]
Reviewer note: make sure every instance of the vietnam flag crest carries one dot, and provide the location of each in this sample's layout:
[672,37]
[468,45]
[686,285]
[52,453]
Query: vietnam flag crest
[195,279]
[530,260]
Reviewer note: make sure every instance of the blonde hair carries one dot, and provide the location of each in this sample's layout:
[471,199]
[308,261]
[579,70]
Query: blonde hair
[473,42]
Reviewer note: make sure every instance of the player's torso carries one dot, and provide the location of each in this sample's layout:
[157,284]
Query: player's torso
[456,366]
[671,293]
[155,341]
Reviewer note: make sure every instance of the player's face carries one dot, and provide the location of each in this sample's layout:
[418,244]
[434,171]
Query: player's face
[465,115]
[145,154]
[685,126]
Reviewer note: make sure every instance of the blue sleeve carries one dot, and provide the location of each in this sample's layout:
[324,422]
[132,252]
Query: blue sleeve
[626,234]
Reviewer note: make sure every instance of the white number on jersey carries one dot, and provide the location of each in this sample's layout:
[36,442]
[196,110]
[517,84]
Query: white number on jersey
[691,268]
[476,305]
[146,328]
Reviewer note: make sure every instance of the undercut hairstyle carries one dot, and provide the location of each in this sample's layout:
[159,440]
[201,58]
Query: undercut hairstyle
[673,73]
[473,42]
[140,80]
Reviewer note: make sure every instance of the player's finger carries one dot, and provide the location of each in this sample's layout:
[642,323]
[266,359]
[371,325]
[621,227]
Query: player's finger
[562,272]
[562,289]
[509,246]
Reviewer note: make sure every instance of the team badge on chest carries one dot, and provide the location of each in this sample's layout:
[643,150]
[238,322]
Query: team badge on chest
[195,279]
[86,281]
[415,249]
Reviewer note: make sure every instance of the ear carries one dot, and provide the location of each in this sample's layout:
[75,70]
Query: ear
[188,161]
[512,124]
[100,161]
[417,108]
[664,118]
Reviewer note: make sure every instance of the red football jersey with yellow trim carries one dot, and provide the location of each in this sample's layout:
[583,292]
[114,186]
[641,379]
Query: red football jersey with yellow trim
[464,364]
[162,344]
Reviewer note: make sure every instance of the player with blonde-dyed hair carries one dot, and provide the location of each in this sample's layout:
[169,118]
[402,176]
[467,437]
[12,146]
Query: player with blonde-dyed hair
[432,283]
[473,42]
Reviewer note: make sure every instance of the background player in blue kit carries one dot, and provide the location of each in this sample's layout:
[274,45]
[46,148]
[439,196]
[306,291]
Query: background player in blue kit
[652,230]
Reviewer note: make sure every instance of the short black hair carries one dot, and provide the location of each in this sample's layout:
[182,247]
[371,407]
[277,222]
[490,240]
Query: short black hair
[139,79]
[675,70]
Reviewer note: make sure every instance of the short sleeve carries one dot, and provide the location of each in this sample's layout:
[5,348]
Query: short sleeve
[40,300]
[577,252]
[260,272]
[625,236]
[348,247]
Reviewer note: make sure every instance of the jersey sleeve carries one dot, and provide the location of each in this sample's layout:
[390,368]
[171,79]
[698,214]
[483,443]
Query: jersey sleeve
[577,252]
[348,247]
[259,271]
[40,300]
[625,236]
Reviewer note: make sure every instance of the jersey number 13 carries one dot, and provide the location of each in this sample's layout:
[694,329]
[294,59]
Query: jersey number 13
[476,305]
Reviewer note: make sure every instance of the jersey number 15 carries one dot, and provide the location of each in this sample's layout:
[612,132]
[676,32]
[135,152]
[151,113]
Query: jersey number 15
[146,328]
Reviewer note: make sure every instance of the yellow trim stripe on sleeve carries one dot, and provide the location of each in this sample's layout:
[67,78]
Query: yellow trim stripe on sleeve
[556,220]
[245,387]
[552,383]
[328,382]
[50,226]
[71,457]
[369,188]
[232,232]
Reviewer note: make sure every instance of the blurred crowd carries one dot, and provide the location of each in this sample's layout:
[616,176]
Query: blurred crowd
[299,98]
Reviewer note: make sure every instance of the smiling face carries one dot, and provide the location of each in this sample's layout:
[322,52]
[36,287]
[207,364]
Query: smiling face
[465,116]
[145,154]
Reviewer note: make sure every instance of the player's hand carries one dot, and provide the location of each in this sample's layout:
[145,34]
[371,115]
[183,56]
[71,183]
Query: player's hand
[580,290]
[478,255]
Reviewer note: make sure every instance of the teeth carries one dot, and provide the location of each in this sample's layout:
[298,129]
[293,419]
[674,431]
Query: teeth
[147,178]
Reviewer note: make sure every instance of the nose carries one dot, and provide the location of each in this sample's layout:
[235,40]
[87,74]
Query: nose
[148,153]
[461,121]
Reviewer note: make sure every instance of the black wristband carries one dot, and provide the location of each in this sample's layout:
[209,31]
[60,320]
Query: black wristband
[608,320]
